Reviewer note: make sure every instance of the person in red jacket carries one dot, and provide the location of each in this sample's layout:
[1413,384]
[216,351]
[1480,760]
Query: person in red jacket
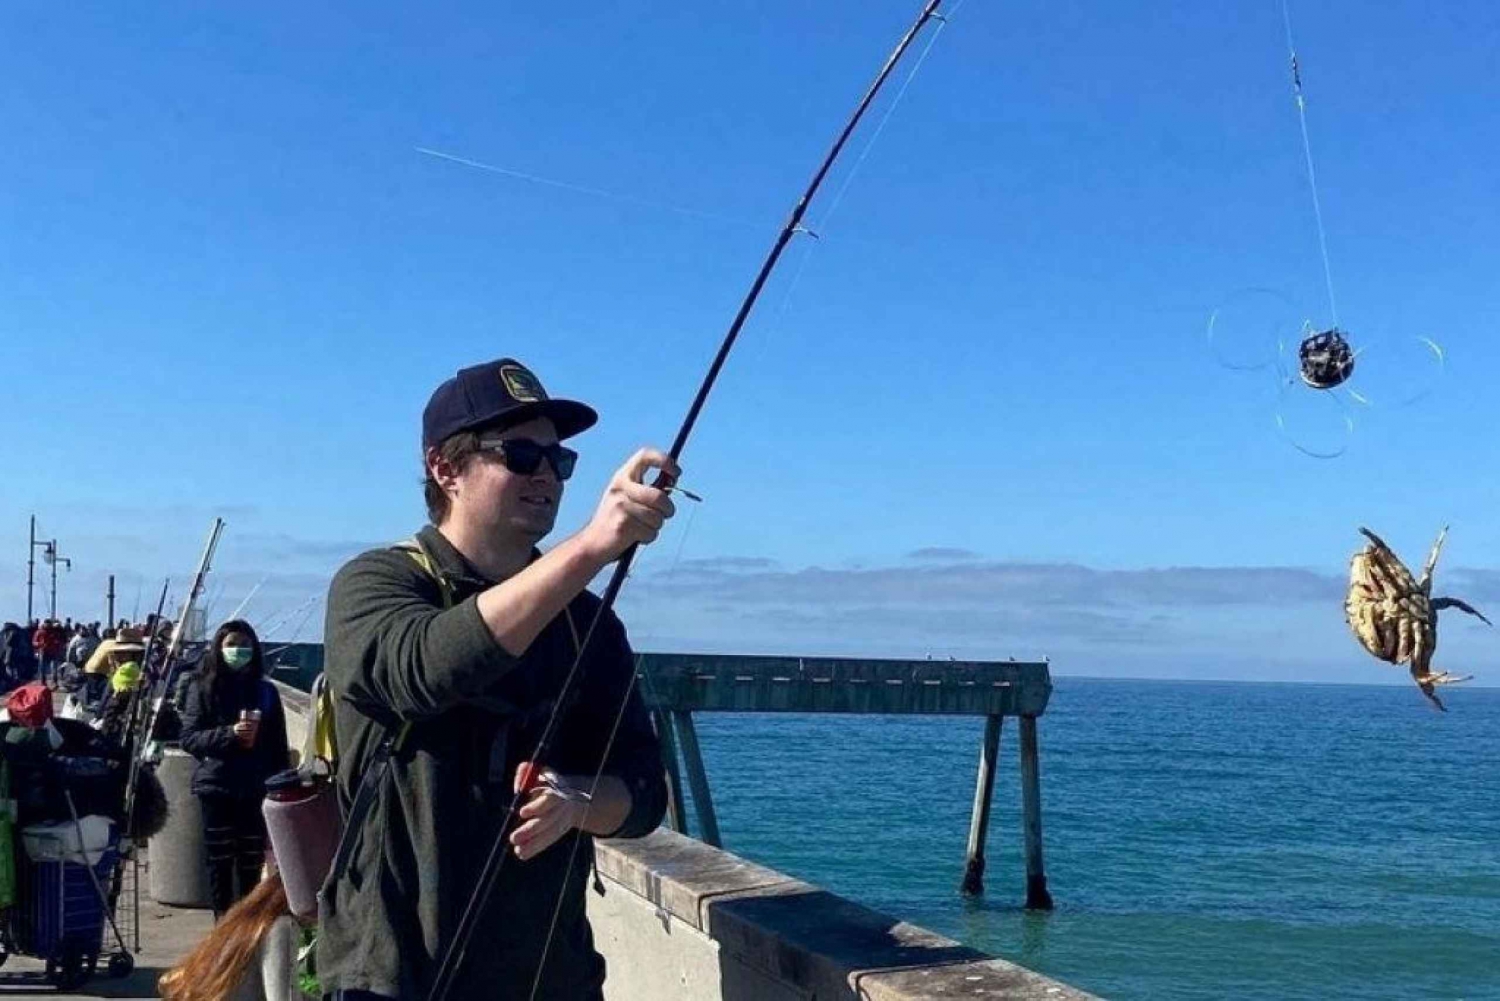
[50,644]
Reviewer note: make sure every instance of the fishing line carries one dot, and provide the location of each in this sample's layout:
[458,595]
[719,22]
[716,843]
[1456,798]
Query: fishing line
[640,671]
[1312,175]
[838,197]
[778,315]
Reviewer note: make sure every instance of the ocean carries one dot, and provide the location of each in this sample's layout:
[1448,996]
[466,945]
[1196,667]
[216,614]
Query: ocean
[1203,839]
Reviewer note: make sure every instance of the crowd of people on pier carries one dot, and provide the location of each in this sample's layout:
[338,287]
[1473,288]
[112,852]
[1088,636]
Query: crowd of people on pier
[60,653]
[222,712]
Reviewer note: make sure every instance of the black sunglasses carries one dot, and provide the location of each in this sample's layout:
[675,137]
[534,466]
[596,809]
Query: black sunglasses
[523,456]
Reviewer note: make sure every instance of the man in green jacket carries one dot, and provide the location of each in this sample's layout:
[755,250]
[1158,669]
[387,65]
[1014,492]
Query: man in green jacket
[460,645]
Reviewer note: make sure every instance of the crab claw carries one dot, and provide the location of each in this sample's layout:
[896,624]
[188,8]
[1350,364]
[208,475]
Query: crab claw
[1429,682]
[1425,581]
[1438,604]
[1428,690]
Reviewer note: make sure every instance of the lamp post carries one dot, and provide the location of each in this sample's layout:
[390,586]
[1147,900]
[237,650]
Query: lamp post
[31,565]
[50,555]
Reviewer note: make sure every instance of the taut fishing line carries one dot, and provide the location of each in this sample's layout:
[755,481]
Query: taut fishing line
[769,335]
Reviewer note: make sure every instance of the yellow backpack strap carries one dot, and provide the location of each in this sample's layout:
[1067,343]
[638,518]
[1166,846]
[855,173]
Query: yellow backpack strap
[319,742]
[423,559]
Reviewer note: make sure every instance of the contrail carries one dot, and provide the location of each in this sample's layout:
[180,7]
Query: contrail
[584,189]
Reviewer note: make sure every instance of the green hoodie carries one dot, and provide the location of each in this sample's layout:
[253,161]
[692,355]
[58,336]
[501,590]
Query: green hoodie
[394,654]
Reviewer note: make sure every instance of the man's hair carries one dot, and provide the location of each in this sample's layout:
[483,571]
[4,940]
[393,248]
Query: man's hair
[457,449]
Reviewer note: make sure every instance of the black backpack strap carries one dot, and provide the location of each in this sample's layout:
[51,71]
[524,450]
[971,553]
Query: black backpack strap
[380,762]
[359,810]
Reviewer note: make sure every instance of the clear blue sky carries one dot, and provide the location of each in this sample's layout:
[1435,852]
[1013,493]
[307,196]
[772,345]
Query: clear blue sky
[228,283]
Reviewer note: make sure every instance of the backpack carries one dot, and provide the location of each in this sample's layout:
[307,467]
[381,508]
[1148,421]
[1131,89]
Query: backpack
[319,764]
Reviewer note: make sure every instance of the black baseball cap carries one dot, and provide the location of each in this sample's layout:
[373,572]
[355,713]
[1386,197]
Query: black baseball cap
[494,395]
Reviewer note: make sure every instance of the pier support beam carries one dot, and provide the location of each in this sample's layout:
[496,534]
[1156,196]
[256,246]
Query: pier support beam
[1037,897]
[979,821]
[692,757]
[676,817]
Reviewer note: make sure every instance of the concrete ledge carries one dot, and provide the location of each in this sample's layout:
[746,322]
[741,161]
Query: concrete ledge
[769,929]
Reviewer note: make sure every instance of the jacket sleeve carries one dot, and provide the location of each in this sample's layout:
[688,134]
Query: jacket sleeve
[272,737]
[200,738]
[390,644]
[635,756]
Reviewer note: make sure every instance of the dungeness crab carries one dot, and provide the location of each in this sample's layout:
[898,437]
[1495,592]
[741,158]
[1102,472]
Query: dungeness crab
[1393,616]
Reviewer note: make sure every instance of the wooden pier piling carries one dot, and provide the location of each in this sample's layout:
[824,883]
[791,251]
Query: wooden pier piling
[979,819]
[1037,897]
[676,816]
[692,757]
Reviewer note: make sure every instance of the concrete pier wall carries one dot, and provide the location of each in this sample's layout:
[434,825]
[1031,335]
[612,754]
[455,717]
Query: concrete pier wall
[682,920]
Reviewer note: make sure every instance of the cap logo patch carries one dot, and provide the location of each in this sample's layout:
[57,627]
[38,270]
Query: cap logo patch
[521,384]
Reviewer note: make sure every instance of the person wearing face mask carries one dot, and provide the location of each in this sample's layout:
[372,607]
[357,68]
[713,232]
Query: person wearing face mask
[233,723]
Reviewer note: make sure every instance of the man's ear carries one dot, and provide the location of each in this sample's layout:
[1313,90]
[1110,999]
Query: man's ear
[443,472]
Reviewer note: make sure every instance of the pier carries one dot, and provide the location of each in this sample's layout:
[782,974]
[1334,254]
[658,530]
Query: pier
[677,685]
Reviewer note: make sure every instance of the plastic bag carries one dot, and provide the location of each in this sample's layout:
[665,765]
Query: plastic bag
[60,841]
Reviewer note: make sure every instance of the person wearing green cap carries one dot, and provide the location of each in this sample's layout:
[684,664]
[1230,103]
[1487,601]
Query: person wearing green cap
[107,658]
[124,689]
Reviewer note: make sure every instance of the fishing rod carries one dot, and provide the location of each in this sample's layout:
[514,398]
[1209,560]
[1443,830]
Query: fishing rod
[285,618]
[269,652]
[489,876]
[163,694]
[135,737]
[242,605]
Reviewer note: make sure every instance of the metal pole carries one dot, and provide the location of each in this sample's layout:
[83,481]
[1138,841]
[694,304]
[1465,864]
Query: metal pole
[30,569]
[52,558]
[109,617]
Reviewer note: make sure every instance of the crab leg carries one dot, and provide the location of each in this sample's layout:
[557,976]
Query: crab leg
[1426,582]
[1463,606]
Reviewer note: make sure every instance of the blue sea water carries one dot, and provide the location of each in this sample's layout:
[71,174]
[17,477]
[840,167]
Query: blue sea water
[1203,840]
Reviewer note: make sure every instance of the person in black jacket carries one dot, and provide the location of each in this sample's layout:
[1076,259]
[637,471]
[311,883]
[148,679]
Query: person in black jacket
[458,646]
[236,753]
